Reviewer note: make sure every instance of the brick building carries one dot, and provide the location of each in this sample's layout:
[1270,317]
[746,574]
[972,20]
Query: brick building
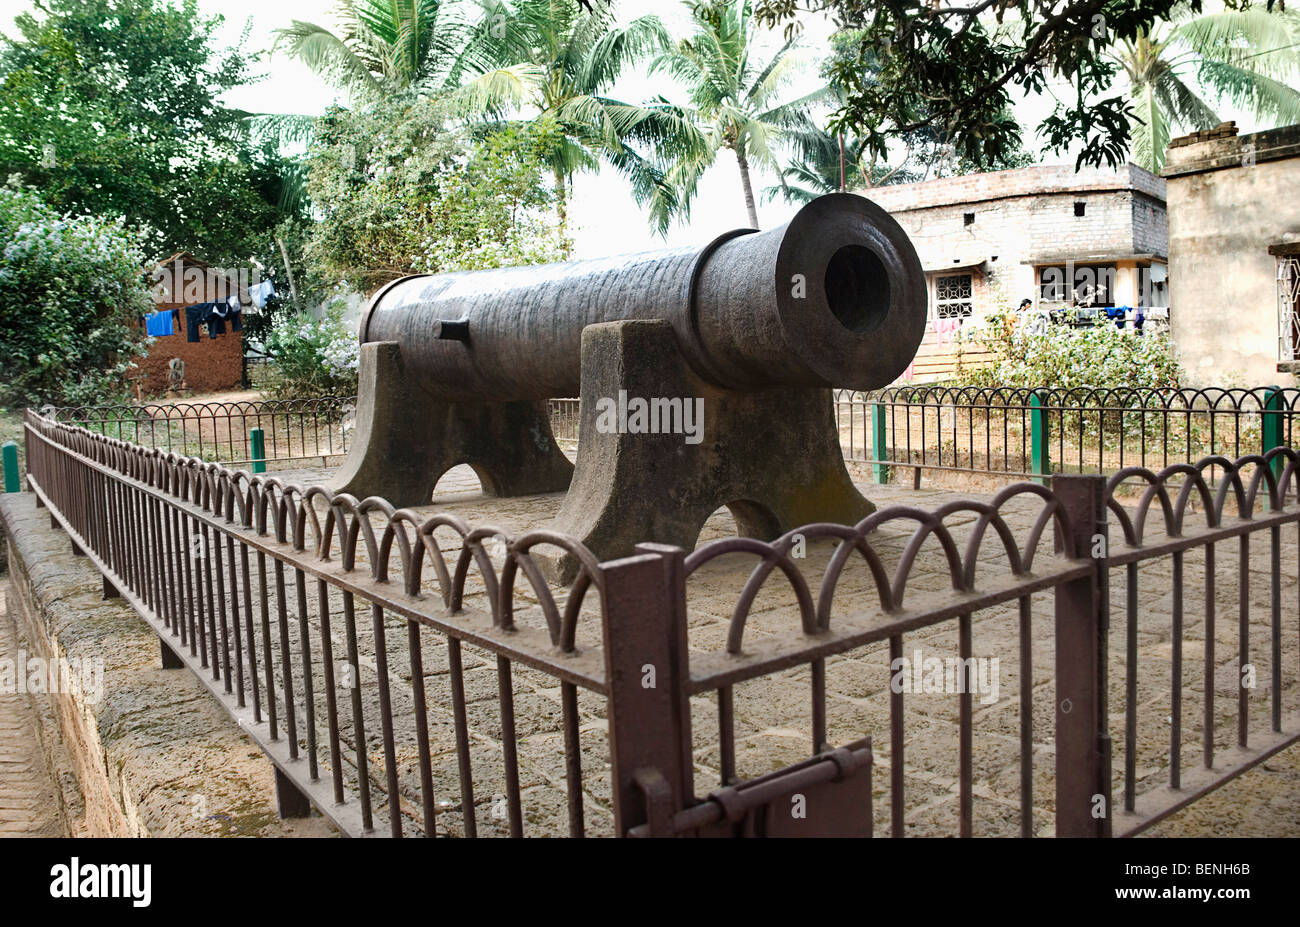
[1046,233]
[211,364]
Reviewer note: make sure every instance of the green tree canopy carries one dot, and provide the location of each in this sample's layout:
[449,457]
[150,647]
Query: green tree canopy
[112,108]
[1178,72]
[70,291]
[736,100]
[952,65]
[402,188]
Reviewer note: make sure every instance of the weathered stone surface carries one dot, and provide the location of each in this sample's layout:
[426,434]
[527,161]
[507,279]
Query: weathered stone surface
[406,440]
[771,456]
[156,755]
[29,803]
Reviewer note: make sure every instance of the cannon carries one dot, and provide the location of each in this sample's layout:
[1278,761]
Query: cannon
[703,376]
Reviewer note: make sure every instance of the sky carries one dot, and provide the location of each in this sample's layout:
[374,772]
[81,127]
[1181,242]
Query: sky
[605,220]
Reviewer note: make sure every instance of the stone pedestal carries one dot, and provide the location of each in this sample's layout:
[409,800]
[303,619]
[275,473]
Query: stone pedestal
[405,440]
[649,469]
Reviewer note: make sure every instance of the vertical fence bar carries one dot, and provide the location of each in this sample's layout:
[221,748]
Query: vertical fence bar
[1083,805]
[879,447]
[1040,464]
[10,454]
[644,605]
[1272,421]
[258,441]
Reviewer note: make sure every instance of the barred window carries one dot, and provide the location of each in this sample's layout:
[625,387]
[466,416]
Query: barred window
[1288,307]
[952,296]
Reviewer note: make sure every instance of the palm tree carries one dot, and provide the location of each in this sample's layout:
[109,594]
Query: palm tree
[1179,69]
[389,45]
[734,99]
[558,62]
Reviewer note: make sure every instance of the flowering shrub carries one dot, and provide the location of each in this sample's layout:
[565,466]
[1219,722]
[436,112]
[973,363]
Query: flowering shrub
[1080,361]
[70,286]
[1102,356]
[313,357]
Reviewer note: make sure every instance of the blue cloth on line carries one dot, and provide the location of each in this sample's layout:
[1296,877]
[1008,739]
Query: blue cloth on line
[158,324]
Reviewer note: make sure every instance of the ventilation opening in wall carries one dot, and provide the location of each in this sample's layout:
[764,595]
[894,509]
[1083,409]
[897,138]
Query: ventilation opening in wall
[968,218]
[1080,207]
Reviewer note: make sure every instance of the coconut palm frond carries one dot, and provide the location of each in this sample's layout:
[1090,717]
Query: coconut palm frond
[498,91]
[328,56]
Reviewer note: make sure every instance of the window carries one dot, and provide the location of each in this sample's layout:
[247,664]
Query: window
[968,218]
[952,296]
[1288,307]
[1087,284]
[1080,207]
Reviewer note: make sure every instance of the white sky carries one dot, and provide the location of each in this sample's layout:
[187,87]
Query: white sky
[605,219]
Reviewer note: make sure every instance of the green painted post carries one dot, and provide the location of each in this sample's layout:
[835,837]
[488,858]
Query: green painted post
[12,482]
[1272,422]
[1040,463]
[879,445]
[259,450]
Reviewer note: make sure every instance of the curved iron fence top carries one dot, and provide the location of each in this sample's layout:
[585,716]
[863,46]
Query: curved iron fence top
[1118,398]
[397,543]
[213,409]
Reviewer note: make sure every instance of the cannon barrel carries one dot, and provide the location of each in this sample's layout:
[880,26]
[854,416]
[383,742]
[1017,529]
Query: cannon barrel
[834,298]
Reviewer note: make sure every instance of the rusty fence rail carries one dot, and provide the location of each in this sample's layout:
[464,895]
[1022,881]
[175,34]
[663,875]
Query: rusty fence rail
[478,699]
[233,432]
[1032,433]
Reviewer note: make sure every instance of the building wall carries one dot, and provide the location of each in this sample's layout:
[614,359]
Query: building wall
[1230,198]
[1014,216]
[211,364]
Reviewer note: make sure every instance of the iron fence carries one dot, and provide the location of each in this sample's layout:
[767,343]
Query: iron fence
[235,432]
[480,699]
[1030,433]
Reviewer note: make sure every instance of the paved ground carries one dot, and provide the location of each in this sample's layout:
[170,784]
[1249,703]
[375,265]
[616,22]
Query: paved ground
[27,791]
[773,715]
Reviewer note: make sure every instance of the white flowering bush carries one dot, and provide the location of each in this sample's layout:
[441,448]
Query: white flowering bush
[70,287]
[1102,356]
[1084,366]
[313,357]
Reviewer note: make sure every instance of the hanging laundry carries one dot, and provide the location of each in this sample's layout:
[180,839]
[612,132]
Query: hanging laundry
[205,313]
[235,314]
[158,324]
[260,293]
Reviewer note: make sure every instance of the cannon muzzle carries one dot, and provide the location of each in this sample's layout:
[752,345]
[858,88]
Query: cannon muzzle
[833,298]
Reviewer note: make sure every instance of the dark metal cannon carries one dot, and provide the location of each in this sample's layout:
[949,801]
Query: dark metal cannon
[756,327]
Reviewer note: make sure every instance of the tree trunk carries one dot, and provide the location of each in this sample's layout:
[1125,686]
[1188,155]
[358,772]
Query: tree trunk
[561,202]
[749,190]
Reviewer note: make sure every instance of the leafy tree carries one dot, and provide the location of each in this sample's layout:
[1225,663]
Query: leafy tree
[1178,69]
[736,100]
[560,61]
[112,107]
[829,159]
[312,358]
[70,289]
[402,189]
[950,66]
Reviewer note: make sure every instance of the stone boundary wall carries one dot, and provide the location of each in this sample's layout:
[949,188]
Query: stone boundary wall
[156,755]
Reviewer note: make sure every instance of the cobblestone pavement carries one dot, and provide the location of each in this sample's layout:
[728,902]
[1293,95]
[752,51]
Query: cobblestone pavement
[28,804]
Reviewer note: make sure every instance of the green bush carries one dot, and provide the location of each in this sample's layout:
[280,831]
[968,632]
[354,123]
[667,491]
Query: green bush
[70,287]
[313,358]
[1084,367]
[1100,357]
